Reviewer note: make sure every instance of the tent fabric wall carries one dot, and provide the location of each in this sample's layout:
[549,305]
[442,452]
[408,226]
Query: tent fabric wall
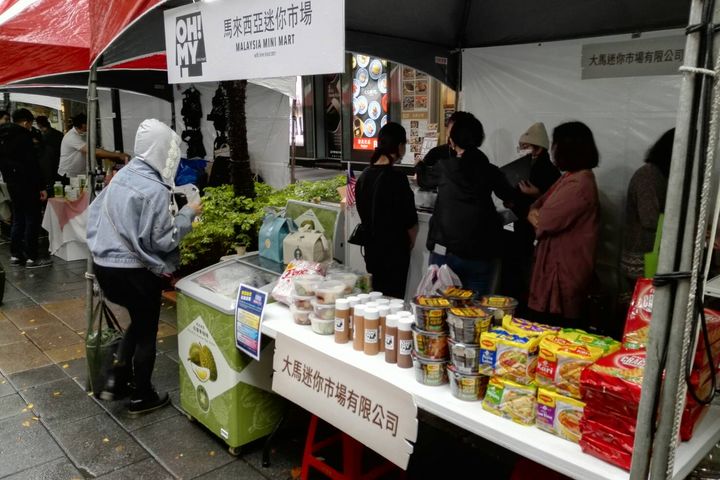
[134,108]
[268,128]
[508,88]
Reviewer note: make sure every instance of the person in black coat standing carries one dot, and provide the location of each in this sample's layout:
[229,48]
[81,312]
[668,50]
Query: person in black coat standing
[532,175]
[386,205]
[50,159]
[21,171]
[465,229]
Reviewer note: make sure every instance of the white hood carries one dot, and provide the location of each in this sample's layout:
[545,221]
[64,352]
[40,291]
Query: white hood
[158,146]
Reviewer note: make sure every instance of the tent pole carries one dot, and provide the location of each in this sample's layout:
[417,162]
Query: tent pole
[92,135]
[668,262]
[117,122]
[292,145]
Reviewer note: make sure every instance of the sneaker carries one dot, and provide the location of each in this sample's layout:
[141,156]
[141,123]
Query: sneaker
[115,389]
[16,261]
[147,403]
[39,263]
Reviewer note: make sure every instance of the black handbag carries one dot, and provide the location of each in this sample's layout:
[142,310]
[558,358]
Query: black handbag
[101,345]
[361,235]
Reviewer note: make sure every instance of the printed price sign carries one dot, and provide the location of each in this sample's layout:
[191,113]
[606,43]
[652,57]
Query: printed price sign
[371,410]
[248,320]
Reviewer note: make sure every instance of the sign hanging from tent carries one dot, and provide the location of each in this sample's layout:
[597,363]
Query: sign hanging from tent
[227,40]
[633,58]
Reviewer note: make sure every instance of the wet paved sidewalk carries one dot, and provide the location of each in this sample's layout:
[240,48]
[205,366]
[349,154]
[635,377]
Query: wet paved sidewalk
[51,428]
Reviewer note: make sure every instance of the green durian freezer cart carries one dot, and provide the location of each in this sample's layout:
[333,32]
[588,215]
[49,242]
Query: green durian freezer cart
[220,387]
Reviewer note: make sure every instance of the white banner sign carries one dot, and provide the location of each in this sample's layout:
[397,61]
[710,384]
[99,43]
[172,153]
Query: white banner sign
[633,58]
[374,412]
[231,40]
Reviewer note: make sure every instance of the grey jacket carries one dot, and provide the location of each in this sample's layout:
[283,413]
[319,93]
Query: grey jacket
[131,224]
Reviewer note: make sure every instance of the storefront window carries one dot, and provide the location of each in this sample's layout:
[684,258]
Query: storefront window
[297,123]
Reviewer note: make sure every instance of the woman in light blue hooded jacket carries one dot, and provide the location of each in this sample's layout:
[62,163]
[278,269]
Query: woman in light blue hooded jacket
[133,233]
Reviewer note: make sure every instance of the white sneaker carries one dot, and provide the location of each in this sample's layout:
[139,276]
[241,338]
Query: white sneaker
[40,262]
[16,261]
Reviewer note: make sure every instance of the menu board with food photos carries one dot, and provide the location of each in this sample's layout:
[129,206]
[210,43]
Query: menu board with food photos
[370,100]
[415,88]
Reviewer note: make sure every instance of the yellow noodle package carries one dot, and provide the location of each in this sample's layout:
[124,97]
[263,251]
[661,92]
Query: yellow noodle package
[516,358]
[561,362]
[559,415]
[511,400]
[608,344]
[518,326]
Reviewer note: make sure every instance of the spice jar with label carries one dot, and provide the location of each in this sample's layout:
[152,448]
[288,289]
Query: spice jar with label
[372,327]
[358,327]
[383,311]
[342,320]
[405,343]
[391,331]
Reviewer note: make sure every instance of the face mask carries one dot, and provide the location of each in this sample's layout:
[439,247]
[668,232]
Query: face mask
[524,151]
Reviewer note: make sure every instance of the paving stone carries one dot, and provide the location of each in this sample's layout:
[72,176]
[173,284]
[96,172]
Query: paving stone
[37,376]
[285,454]
[118,410]
[26,443]
[29,317]
[11,405]
[65,354]
[21,356]
[6,387]
[62,401]
[146,470]
[71,312]
[66,292]
[61,469]
[167,344]
[53,336]
[165,330]
[12,293]
[166,374]
[188,452]
[236,469]
[98,445]
[9,333]
[77,371]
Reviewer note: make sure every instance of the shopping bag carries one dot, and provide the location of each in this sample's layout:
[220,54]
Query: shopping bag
[651,258]
[101,345]
[306,244]
[274,229]
[446,278]
[425,287]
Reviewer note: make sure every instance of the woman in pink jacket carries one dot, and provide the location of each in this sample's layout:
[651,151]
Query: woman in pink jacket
[566,221]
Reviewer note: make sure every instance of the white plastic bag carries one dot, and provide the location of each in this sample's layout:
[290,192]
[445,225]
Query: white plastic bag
[283,289]
[436,280]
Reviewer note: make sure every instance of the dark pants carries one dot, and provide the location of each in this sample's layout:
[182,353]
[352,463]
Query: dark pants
[138,290]
[480,276]
[389,270]
[25,228]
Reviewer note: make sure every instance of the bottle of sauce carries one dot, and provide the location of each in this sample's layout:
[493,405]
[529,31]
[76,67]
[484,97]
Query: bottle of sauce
[375,296]
[405,343]
[359,327]
[342,320]
[363,297]
[383,311]
[391,331]
[371,345]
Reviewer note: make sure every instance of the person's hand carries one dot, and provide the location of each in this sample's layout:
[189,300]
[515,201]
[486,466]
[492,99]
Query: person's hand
[529,189]
[43,195]
[534,217]
[196,207]
[125,158]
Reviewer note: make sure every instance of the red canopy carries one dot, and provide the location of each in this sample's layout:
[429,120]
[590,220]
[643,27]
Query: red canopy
[110,17]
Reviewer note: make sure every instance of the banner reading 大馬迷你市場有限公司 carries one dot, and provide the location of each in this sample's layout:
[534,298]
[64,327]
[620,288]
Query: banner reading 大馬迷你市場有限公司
[230,40]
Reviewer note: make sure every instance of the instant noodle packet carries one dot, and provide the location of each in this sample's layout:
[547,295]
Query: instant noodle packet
[606,452]
[488,349]
[511,400]
[559,415]
[637,322]
[609,345]
[561,362]
[516,358]
[616,377]
[518,326]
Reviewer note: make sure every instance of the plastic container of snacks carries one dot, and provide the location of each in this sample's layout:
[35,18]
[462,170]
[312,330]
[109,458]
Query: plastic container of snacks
[431,312]
[428,371]
[323,311]
[468,323]
[302,302]
[465,357]
[328,291]
[349,279]
[304,285]
[431,345]
[322,326]
[458,297]
[498,306]
[467,386]
[301,317]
